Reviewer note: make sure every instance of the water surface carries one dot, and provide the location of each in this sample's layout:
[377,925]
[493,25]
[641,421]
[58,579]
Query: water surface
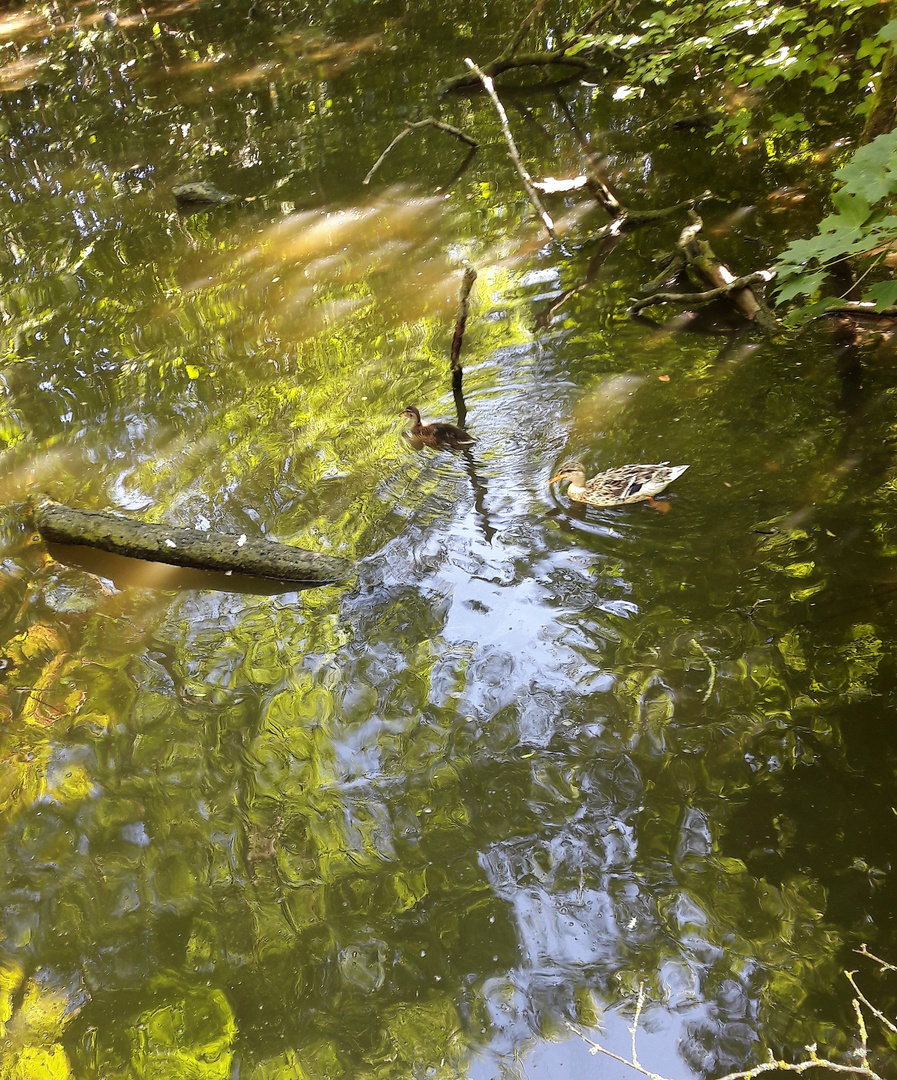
[529,759]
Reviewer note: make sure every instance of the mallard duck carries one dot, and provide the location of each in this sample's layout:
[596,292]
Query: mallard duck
[616,487]
[437,435]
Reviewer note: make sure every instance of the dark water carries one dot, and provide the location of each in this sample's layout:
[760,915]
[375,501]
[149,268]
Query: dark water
[527,760]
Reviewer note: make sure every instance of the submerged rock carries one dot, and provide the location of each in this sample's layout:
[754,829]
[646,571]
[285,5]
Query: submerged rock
[199,195]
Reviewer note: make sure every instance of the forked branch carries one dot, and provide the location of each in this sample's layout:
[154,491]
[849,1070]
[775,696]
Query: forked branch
[416,125]
[773,1064]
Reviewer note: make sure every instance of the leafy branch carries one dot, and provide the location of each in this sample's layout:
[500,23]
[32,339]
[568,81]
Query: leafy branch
[861,227]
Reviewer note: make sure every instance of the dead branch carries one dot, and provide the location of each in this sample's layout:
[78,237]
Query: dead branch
[522,30]
[880,1016]
[860,309]
[598,188]
[522,60]
[533,195]
[864,951]
[470,276]
[416,125]
[577,35]
[635,218]
[813,1061]
[701,258]
[544,317]
[509,58]
[705,297]
[460,171]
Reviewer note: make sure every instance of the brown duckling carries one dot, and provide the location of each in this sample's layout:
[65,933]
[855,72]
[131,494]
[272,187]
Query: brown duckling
[437,435]
[617,487]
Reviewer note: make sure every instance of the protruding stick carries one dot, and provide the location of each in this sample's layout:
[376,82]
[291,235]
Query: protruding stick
[470,276]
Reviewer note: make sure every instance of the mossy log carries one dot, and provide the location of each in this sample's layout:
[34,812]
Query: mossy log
[186,547]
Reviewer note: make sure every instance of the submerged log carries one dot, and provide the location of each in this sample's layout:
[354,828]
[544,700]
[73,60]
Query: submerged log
[186,547]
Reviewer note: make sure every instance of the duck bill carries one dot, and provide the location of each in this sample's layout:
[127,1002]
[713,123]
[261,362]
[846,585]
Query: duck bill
[555,479]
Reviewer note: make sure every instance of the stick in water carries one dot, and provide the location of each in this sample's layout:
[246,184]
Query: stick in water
[531,192]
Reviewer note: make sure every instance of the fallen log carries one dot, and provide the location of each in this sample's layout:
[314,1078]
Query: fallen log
[256,557]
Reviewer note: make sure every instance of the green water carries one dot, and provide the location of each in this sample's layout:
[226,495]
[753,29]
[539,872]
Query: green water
[527,759]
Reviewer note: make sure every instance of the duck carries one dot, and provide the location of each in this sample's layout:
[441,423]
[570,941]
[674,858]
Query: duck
[438,435]
[617,487]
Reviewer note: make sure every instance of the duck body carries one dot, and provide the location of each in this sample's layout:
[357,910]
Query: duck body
[436,435]
[617,487]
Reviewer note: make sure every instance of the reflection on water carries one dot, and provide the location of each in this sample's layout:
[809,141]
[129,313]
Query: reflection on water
[535,755]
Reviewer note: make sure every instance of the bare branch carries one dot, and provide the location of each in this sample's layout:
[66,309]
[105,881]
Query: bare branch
[864,1038]
[508,58]
[862,950]
[735,285]
[512,149]
[522,30]
[875,1012]
[863,310]
[638,1012]
[470,276]
[521,60]
[416,125]
[771,1066]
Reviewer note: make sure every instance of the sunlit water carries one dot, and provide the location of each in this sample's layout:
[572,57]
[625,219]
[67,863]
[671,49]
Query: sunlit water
[531,757]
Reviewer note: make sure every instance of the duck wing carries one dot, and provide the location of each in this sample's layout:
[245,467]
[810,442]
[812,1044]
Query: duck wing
[448,433]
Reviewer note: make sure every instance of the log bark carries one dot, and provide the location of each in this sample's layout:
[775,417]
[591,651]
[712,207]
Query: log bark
[256,557]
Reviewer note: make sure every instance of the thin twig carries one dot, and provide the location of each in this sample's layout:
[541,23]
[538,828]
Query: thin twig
[597,1048]
[773,1065]
[709,660]
[416,125]
[861,308]
[516,41]
[864,1037]
[638,1012]
[863,951]
[533,195]
[859,993]
[703,297]
[576,35]
[460,171]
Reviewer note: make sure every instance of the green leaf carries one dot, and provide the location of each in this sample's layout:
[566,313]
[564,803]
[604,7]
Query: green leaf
[853,208]
[800,285]
[884,294]
[888,32]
